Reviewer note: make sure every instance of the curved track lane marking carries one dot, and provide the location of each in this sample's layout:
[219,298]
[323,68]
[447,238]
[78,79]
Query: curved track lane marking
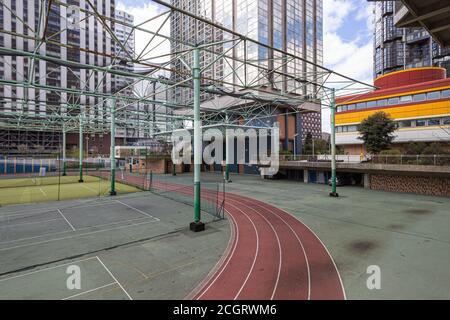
[323,278]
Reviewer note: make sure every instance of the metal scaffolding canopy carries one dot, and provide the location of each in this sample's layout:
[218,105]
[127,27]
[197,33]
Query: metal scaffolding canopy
[250,87]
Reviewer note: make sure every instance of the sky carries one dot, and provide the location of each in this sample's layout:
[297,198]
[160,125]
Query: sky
[348,37]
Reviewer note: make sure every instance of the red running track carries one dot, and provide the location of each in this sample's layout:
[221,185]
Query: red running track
[270,255]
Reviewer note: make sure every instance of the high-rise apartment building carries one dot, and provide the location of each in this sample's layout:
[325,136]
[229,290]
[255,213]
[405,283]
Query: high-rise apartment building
[403,48]
[294,26]
[75,37]
[126,35]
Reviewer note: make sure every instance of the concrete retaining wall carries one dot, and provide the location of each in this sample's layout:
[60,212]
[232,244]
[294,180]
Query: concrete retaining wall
[433,186]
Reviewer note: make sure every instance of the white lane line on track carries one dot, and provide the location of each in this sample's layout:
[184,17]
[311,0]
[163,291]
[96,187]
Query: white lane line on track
[323,245]
[328,252]
[253,263]
[89,291]
[256,253]
[219,264]
[227,262]
[137,210]
[62,215]
[279,250]
[299,241]
[110,273]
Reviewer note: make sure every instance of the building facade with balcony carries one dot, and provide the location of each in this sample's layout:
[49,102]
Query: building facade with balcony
[398,48]
[417,99]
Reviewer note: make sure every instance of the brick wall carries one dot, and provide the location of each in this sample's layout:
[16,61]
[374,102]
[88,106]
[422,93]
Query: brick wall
[433,186]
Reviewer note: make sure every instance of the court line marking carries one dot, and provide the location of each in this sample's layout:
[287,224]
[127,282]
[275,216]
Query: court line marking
[138,210]
[89,188]
[42,191]
[110,273]
[60,212]
[70,237]
[89,291]
[27,223]
[45,269]
[60,232]
[51,209]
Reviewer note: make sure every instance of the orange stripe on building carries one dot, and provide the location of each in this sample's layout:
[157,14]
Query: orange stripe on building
[401,112]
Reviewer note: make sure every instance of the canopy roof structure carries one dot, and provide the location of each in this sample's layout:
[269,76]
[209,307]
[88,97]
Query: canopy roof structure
[433,15]
[159,72]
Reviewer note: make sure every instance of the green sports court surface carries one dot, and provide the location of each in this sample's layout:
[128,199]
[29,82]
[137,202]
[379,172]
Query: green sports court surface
[38,189]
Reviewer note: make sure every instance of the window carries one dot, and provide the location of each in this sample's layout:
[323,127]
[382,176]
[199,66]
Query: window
[381,103]
[404,124]
[393,101]
[360,105]
[371,104]
[433,95]
[446,93]
[339,129]
[420,123]
[344,108]
[405,99]
[433,122]
[419,97]
[351,107]
[344,129]
[446,120]
[352,128]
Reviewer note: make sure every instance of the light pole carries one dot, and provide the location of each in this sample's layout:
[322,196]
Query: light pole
[112,155]
[333,192]
[80,142]
[295,144]
[197,225]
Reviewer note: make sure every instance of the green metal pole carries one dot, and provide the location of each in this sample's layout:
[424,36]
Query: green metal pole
[112,152]
[197,225]
[333,146]
[64,148]
[227,155]
[80,146]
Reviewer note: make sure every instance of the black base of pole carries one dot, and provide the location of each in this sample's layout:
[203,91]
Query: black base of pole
[334,194]
[64,174]
[81,180]
[197,226]
[112,193]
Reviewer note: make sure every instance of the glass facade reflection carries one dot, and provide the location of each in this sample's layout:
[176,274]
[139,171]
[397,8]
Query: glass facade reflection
[403,48]
[294,26]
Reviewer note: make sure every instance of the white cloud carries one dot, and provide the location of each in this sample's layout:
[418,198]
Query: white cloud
[350,57]
[142,13]
[335,12]
[158,45]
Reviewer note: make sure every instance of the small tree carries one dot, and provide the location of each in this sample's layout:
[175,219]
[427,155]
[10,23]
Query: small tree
[321,146]
[376,132]
[307,148]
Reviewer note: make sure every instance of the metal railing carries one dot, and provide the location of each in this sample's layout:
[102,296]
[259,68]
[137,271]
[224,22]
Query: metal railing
[431,160]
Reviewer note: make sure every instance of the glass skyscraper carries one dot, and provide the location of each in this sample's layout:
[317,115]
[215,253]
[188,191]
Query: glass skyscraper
[403,48]
[294,26]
